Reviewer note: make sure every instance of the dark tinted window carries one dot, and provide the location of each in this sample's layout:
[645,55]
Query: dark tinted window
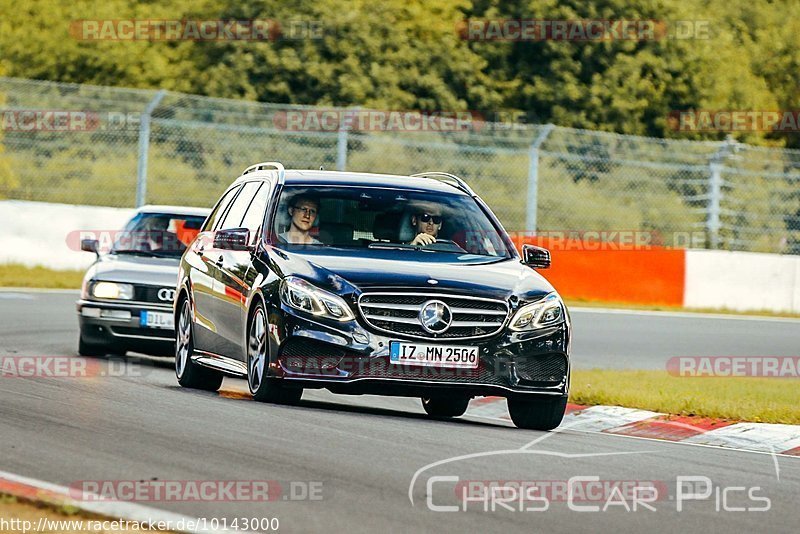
[233,219]
[255,213]
[219,210]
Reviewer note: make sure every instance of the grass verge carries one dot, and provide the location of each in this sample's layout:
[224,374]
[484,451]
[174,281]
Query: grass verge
[25,516]
[17,275]
[759,400]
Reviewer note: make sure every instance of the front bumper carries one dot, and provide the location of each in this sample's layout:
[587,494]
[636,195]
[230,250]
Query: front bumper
[118,325]
[349,358]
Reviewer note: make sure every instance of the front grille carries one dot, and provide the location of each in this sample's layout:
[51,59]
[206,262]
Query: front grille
[143,293]
[398,313]
[550,368]
[383,368]
[311,357]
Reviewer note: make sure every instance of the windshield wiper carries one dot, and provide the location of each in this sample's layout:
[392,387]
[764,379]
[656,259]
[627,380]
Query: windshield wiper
[139,252]
[392,246]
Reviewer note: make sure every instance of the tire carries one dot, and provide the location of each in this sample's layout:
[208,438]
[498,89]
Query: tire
[454,406]
[262,387]
[190,374]
[537,413]
[88,349]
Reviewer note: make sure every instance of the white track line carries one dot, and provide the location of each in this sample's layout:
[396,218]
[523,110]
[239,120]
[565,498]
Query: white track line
[113,509]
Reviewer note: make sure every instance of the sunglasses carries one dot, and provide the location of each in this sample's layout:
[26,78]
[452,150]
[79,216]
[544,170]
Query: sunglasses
[427,217]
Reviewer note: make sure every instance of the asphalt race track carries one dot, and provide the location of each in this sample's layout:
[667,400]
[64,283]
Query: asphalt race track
[366,456]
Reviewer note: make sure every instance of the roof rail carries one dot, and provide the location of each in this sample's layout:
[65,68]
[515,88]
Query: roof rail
[274,164]
[448,178]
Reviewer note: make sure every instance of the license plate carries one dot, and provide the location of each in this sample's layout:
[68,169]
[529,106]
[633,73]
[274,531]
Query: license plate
[151,319]
[433,355]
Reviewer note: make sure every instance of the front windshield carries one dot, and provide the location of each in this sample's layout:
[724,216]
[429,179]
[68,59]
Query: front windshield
[369,217]
[158,234]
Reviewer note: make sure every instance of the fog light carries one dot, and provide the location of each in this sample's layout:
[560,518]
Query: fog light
[90,312]
[360,337]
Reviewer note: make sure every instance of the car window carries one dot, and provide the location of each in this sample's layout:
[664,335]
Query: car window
[255,213]
[233,219]
[219,210]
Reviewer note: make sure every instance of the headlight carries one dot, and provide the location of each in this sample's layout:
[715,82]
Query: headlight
[547,312]
[300,295]
[112,290]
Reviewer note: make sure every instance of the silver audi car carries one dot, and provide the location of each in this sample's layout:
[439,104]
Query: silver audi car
[127,293]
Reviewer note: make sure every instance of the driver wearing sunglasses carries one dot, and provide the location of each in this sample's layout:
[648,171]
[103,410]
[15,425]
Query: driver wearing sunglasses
[427,225]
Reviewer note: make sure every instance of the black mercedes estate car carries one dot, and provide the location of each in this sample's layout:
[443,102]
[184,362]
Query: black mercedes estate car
[370,284]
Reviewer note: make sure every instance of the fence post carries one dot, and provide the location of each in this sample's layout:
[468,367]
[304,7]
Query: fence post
[144,145]
[341,140]
[533,178]
[714,197]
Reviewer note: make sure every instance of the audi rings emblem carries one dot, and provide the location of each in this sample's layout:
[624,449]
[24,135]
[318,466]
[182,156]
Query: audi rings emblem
[166,294]
[435,316]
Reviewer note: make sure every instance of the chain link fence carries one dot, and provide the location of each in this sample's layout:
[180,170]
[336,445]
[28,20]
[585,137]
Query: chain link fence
[109,151]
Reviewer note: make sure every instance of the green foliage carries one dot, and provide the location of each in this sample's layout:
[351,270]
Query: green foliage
[7,180]
[408,54]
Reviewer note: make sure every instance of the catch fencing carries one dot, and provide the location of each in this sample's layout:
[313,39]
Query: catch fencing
[89,145]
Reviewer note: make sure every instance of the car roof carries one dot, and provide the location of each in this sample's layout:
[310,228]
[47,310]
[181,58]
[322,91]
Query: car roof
[356,179]
[174,210]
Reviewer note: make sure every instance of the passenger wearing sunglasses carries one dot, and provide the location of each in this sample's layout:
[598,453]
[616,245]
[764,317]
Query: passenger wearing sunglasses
[303,210]
[427,225]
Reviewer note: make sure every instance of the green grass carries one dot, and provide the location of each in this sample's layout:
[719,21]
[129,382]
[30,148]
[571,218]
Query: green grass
[16,275]
[760,400]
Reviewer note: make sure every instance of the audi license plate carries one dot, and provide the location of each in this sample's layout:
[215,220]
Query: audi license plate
[433,355]
[151,319]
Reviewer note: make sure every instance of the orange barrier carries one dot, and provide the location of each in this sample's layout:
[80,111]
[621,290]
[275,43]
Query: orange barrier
[605,272]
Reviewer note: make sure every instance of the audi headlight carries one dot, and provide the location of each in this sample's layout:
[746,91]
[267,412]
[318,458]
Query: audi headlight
[112,290]
[300,295]
[549,311]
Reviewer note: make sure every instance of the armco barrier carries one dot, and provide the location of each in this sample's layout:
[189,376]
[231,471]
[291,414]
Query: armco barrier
[742,281]
[35,233]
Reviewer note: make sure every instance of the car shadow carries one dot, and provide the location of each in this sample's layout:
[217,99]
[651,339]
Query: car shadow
[325,406]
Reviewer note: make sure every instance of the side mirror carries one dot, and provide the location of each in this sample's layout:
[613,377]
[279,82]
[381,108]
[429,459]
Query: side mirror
[536,257]
[89,245]
[232,239]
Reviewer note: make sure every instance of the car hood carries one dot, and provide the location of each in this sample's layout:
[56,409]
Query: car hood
[135,269]
[334,269]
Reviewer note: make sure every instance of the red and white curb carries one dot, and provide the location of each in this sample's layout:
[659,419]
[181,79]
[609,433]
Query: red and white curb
[758,437]
[30,489]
